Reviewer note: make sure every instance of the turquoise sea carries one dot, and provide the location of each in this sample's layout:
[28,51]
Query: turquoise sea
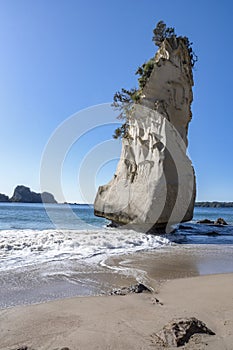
[52,252]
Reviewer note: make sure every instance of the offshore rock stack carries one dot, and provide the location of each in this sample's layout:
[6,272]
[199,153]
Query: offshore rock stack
[154,184]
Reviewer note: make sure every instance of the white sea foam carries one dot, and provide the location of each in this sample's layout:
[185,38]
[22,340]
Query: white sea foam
[28,247]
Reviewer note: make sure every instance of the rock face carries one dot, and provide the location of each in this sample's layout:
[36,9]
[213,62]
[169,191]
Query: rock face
[4,198]
[178,332]
[23,194]
[154,184]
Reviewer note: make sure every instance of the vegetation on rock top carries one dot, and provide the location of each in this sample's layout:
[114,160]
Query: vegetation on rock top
[124,99]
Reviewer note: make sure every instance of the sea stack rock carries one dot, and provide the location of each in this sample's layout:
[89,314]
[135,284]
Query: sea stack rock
[4,198]
[154,184]
[23,194]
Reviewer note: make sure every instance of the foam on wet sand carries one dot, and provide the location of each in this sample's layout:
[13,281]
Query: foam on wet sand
[124,322]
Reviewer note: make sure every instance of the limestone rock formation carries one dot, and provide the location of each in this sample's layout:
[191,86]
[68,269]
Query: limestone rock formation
[23,194]
[154,184]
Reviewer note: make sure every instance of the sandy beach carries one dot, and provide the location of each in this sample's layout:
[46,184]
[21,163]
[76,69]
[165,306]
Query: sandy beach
[124,322]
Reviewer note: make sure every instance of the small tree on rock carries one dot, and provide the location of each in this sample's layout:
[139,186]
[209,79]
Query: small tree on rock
[162,32]
[124,99]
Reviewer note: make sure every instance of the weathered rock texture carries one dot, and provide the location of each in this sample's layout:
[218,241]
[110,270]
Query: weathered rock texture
[154,184]
[178,332]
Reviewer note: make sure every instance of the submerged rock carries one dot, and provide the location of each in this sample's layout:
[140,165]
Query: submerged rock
[212,234]
[185,227]
[220,221]
[205,221]
[178,332]
[154,184]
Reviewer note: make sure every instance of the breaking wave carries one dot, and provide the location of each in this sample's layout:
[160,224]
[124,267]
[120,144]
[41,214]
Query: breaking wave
[20,248]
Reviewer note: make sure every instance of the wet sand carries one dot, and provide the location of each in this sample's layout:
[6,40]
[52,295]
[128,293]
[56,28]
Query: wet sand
[124,322]
[174,262]
[47,282]
[179,281]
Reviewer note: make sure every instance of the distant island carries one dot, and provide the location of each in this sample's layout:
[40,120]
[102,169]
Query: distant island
[214,204]
[23,194]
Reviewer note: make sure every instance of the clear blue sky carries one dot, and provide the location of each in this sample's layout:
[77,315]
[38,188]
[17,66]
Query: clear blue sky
[58,57]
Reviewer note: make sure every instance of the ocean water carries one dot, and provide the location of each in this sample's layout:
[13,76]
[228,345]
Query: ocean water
[193,233]
[60,250]
[31,234]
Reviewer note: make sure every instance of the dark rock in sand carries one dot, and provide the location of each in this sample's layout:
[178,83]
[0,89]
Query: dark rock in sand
[136,288]
[220,221]
[205,221]
[178,332]
[156,301]
[120,291]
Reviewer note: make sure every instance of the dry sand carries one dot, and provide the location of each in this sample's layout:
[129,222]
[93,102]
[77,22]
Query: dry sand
[124,322]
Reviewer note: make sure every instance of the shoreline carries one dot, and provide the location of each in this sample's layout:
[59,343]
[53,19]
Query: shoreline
[50,282]
[175,262]
[124,322]
[186,281]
